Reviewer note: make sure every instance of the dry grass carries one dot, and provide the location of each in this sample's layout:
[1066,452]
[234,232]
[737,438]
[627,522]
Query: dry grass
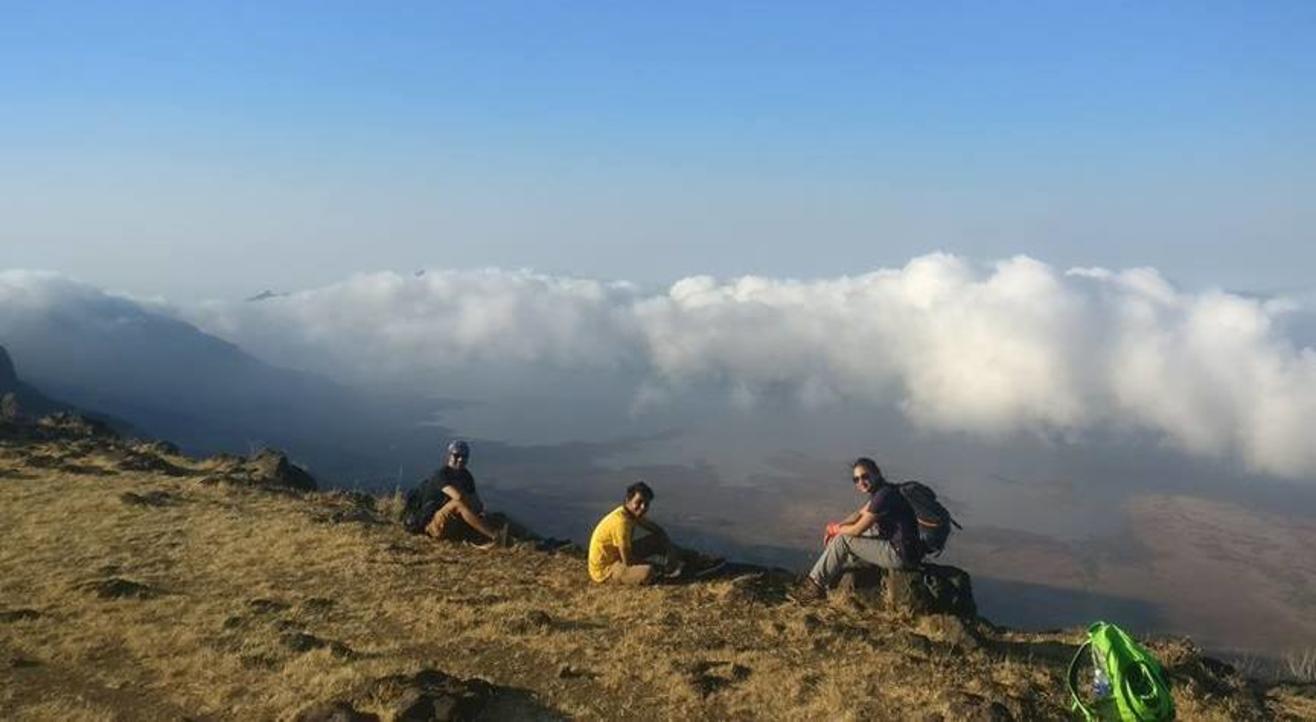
[231,577]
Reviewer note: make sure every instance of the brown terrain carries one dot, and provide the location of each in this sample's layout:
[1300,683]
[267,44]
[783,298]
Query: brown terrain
[138,583]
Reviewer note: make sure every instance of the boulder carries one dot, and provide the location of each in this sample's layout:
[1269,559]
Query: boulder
[929,589]
[272,468]
[267,468]
[432,696]
[10,411]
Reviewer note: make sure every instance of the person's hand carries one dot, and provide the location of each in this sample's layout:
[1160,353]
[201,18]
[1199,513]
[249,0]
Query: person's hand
[833,528]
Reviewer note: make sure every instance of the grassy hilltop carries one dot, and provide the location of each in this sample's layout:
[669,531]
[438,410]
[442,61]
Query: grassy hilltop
[136,583]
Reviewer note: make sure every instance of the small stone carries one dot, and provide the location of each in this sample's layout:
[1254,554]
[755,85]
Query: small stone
[118,588]
[19,615]
[267,606]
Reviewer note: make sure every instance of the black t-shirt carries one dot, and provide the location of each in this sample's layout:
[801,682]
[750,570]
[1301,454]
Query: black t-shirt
[896,521]
[431,489]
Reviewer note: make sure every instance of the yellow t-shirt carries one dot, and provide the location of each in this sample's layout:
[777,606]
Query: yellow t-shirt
[610,537]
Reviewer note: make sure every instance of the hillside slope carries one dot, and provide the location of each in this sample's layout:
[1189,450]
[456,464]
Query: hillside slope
[139,584]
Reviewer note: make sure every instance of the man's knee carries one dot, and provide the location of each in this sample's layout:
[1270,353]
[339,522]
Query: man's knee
[636,574]
[841,542]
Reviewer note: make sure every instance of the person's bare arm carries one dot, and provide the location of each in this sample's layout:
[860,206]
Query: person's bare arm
[650,527]
[859,526]
[469,512]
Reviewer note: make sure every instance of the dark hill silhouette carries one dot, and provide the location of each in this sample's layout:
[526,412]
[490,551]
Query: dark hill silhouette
[171,380]
[30,400]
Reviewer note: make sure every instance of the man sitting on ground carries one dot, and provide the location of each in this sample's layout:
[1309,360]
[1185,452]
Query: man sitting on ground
[618,555]
[884,531]
[446,505]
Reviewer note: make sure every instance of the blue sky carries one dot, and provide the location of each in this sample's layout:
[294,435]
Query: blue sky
[208,149]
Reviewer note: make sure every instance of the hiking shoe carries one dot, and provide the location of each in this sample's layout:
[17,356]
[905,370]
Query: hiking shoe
[675,571]
[806,591]
[501,540]
[711,567]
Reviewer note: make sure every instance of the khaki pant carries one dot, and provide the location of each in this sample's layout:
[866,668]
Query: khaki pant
[642,548]
[448,524]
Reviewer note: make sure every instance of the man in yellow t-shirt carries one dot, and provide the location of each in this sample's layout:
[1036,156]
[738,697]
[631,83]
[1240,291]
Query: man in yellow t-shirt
[615,555]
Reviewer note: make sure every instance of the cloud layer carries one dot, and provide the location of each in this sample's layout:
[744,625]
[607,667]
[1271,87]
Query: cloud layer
[991,350]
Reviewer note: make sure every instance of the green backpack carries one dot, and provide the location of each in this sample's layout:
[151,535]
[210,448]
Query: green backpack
[1139,689]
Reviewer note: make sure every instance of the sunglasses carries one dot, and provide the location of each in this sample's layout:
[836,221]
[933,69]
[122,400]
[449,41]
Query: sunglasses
[863,477]
[458,457]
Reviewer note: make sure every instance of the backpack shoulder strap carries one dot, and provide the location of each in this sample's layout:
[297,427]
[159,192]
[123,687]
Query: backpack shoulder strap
[1072,679]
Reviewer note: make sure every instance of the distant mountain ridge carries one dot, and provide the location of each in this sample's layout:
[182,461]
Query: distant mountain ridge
[171,380]
[30,400]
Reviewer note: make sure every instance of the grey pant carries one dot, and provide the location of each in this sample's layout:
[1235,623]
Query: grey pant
[842,550]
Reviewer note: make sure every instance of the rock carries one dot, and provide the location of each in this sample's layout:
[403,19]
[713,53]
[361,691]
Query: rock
[133,460]
[334,712]
[267,606]
[930,589]
[960,633]
[10,411]
[19,615]
[118,588]
[157,448]
[535,620]
[358,499]
[66,424]
[432,696]
[155,498]
[272,468]
[303,642]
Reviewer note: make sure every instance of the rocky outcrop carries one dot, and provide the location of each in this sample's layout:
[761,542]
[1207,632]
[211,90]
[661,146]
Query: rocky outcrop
[69,425]
[10,410]
[266,468]
[427,696]
[930,589]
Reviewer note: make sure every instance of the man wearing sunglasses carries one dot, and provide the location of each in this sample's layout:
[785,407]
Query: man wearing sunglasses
[460,515]
[884,531]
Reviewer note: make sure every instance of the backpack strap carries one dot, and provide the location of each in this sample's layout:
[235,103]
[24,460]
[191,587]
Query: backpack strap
[1147,707]
[1078,705]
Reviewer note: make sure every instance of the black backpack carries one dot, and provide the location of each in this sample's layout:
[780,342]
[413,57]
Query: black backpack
[934,520]
[418,511]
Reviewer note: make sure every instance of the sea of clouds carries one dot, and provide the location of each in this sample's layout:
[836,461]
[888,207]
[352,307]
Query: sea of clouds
[991,350]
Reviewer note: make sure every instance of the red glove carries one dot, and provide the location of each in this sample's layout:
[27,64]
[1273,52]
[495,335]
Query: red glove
[833,529]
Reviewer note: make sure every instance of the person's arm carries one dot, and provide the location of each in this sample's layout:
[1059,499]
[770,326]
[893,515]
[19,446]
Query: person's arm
[622,538]
[859,526]
[468,512]
[456,495]
[854,517]
[651,527]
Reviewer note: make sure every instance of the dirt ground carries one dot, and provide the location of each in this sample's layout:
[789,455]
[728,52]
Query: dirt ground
[151,590]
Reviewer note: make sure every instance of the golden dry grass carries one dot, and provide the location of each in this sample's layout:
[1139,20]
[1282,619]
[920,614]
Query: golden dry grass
[240,573]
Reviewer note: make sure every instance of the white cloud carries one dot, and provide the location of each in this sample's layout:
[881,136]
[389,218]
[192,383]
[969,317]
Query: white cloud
[991,350]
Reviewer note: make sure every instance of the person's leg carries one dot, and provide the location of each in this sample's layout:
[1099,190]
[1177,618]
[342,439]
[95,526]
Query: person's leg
[844,548]
[649,545]
[448,525]
[632,575]
[468,515]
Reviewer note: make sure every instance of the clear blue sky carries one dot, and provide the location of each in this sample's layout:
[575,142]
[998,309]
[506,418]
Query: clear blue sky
[216,149]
